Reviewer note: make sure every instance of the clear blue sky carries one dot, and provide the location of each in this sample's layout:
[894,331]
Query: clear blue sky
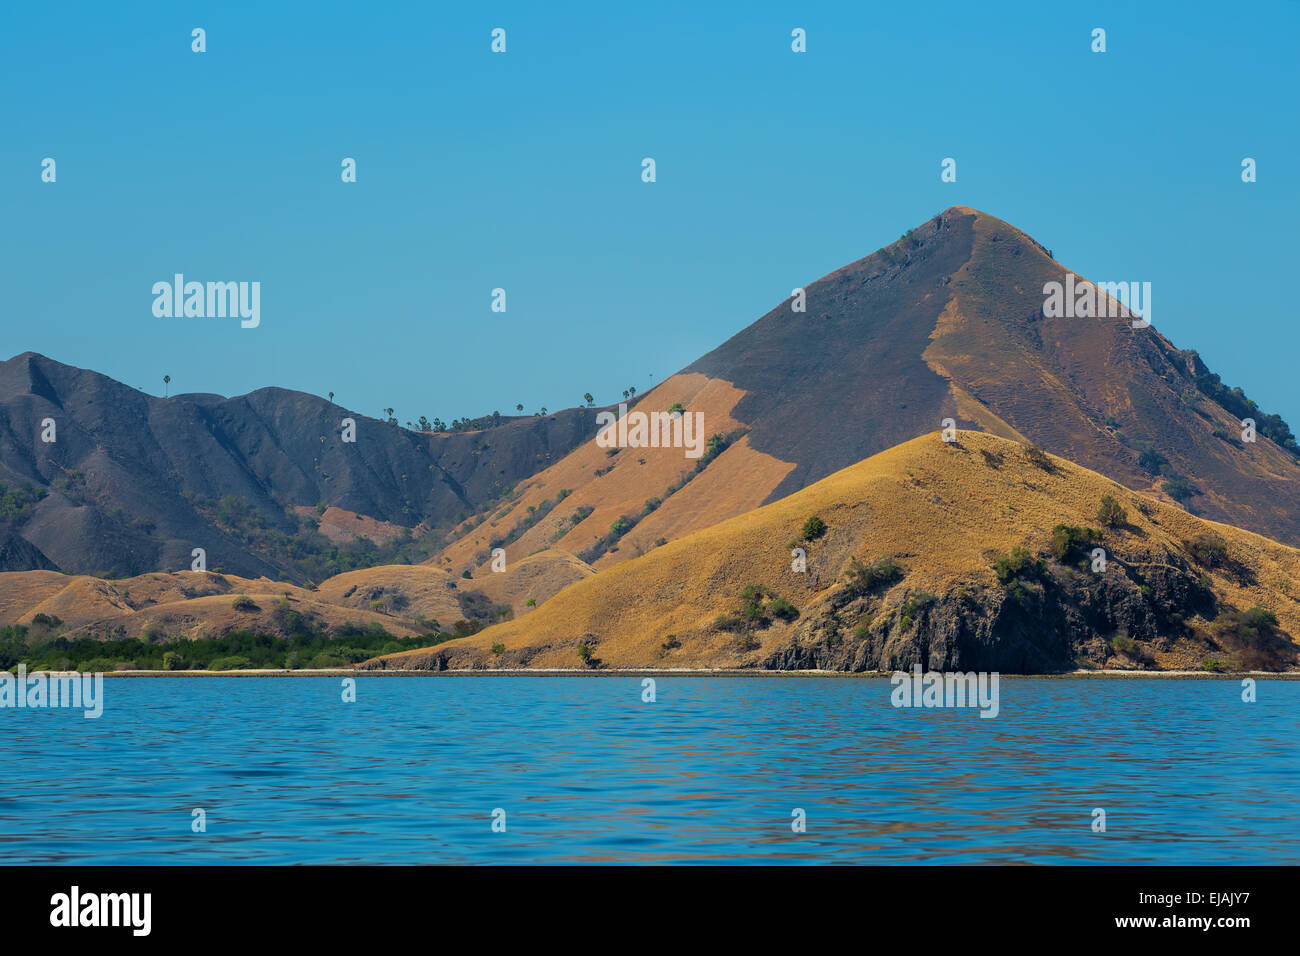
[522,171]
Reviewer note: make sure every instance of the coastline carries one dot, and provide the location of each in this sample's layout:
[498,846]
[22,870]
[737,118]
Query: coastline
[692,672]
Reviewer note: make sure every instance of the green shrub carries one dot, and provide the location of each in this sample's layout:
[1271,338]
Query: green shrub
[1208,550]
[1151,461]
[1019,562]
[865,579]
[326,661]
[1038,458]
[1178,488]
[671,642]
[783,609]
[915,604]
[498,649]
[729,622]
[1111,514]
[1259,618]
[232,663]
[813,528]
[1068,541]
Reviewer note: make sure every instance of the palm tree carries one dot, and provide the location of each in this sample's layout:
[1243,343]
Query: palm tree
[167,380]
[625,393]
[589,399]
[331,398]
[543,409]
[519,407]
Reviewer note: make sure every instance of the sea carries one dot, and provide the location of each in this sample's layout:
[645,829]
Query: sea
[607,769]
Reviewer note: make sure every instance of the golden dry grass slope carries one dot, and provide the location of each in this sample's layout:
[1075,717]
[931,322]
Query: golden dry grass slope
[574,503]
[189,604]
[1176,591]
[405,600]
[946,322]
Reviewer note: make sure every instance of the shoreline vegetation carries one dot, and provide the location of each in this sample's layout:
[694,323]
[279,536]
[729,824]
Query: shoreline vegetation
[693,672]
[44,646]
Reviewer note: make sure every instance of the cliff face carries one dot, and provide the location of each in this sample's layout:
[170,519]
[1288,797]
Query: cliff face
[1057,620]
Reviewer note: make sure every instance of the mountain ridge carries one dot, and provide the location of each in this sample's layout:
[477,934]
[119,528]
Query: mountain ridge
[133,483]
[947,322]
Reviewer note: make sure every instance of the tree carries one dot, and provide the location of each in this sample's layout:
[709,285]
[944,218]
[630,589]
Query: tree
[331,398]
[625,395]
[519,407]
[1111,513]
[167,380]
[590,400]
[632,391]
[543,409]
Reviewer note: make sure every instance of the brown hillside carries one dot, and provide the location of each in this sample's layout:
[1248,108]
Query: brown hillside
[403,599]
[945,513]
[946,322]
[189,604]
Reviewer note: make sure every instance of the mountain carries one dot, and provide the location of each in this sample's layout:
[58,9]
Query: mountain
[262,482]
[19,554]
[977,554]
[947,322]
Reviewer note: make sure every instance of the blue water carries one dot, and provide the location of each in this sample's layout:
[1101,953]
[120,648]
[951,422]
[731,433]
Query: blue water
[710,772]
